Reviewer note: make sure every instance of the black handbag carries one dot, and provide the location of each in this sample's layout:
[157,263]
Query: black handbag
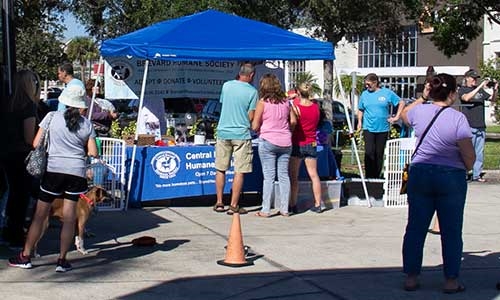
[406,170]
[36,161]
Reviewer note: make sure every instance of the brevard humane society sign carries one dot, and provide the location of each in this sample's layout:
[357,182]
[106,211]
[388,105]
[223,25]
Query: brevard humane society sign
[172,79]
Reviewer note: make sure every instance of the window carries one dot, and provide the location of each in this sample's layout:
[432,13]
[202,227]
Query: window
[294,68]
[404,53]
[404,87]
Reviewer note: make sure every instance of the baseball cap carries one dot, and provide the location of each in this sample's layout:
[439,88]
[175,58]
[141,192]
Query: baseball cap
[472,73]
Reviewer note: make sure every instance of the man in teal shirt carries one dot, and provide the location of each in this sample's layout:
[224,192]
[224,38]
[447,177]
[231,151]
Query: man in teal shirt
[238,98]
[374,120]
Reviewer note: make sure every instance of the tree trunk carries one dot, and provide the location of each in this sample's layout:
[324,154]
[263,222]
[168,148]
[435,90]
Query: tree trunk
[82,72]
[328,87]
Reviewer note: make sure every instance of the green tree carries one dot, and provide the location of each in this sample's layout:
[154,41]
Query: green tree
[307,77]
[346,81]
[83,50]
[38,30]
[456,23]
[489,69]
[105,19]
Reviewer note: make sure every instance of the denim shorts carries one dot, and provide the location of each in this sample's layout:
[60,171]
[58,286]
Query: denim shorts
[306,151]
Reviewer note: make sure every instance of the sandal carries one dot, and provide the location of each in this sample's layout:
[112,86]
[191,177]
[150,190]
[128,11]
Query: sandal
[460,288]
[433,231]
[284,214]
[262,215]
[219,208]
[236,209]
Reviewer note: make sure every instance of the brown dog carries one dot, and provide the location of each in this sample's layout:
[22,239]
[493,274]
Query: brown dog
[86,204]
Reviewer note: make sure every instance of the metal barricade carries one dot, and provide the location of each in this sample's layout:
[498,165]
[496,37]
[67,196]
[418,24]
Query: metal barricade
[110,172]
[397,153]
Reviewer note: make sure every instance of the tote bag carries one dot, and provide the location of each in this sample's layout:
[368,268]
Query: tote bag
[36,161]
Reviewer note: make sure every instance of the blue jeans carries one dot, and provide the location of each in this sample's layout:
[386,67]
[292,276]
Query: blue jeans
[478,139]
[274,160]
[435,188]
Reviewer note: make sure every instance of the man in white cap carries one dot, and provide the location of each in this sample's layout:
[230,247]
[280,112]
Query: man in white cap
[472,96]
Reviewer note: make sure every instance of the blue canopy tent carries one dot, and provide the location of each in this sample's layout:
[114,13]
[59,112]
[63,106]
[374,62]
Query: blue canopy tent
[213,35]
[209,36]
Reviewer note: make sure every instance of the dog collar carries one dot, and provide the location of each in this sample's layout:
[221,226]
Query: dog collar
[87,199]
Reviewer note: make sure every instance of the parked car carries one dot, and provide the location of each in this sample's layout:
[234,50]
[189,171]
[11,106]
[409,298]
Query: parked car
[52,92]
[52,103]
[339,119]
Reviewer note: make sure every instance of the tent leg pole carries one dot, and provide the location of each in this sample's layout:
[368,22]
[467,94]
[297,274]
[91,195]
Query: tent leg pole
[139,116]
[351,134]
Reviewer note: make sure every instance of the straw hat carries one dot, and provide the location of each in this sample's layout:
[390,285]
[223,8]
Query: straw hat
[73,96]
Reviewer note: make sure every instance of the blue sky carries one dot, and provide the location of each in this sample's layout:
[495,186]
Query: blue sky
[74,28]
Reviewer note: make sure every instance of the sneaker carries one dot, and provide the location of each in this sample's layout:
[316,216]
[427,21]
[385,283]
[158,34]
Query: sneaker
[316,209]
[20,261]
[63,265]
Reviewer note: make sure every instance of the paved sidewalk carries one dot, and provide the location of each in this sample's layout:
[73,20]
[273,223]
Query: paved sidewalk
[348,253]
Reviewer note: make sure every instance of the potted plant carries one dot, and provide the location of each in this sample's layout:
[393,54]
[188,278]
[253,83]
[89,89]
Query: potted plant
[199,132]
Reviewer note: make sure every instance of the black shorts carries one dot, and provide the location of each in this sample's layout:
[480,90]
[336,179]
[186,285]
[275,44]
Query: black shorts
[59,185]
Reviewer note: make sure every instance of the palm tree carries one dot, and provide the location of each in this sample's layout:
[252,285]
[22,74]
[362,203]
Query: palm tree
[346,82]
[307,77]
[83,50]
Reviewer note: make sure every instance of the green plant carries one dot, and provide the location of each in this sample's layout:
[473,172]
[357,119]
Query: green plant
[488,69]
[115,130]
[171,131]
[308,77]
[129,129]
[198,128]
[346,82]
[214,129]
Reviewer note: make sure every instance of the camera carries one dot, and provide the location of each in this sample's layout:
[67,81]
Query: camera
[491,83]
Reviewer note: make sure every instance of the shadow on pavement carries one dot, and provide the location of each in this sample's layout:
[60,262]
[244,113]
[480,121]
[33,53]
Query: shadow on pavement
[480,272]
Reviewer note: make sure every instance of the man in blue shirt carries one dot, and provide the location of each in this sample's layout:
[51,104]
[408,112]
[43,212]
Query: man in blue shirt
[238,98]
[374,120]
[65,74]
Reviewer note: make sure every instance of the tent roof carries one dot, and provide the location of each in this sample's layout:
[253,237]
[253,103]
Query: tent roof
[213,35]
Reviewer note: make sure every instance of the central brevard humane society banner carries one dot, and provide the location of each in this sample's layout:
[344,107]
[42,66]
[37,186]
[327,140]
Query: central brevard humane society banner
[172,79]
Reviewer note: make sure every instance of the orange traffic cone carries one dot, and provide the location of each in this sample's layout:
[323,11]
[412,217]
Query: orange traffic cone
[235,253]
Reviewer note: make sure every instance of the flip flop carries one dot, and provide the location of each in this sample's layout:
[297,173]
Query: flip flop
[262,215]
[219,208]
[433,231]
[460,288]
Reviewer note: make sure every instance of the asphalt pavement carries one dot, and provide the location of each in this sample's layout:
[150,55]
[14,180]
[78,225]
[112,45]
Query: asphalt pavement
[352,252]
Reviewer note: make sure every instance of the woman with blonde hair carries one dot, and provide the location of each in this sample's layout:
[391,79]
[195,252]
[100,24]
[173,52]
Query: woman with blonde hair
[304,145]
[19,120]
[273,120]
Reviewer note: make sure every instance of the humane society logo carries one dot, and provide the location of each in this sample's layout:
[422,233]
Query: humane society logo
[120,70]
[166,164]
